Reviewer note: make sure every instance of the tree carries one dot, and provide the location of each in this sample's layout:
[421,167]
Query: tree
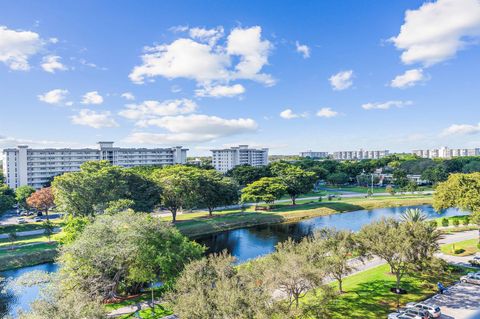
[412,186]
[400,178]
[435,174]
[389,189]
[214,287]
[120,254]
[22,193]
[339,178]
[118,206]
[413,215]
[12,236]
[297,180]
[7,198]
[333,250]
[179,187]
[461,191]
[42,200]
[266,189]
[214,190]
[402,245]
[48,229]
[246,174]
[72,228]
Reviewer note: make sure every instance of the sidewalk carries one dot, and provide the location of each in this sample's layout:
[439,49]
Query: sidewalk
[30,232]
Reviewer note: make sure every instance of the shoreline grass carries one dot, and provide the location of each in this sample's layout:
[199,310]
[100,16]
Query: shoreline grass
[462,248]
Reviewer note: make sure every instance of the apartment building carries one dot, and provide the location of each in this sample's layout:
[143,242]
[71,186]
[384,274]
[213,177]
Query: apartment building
[313,154]
[359,155]
[25,166]
[226,159]
[445,152]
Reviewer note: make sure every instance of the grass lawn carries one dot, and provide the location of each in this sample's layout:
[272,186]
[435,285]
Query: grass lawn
[23,240]
[26,250]
[463,248]
[147,313]
[5,229]
[199,223]
[368,293]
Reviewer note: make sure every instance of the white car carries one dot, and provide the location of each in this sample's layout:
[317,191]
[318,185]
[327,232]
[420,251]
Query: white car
[434,310]
[402,314]
[471,278]
[21,221]
[37,219]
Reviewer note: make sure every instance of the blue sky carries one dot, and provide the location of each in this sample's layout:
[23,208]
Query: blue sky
[289,75]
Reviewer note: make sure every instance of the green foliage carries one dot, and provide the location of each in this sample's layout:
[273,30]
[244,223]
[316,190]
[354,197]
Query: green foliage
[213,190]
[389,189]
[445,222]
[89,191]
[121,254]
[466,221]
[339,178]
[435,174]
[400,178]
[456,222]
[297,180]
[22,193]
[73,227]
[118,206]
[433,223]
[266,189]
[7,198]
[246,174]
[48,229]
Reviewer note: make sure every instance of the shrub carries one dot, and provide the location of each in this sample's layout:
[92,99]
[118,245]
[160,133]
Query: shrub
[459,251]
[433,223]
[320,198]
[466,221]
[445,222]
[456,222]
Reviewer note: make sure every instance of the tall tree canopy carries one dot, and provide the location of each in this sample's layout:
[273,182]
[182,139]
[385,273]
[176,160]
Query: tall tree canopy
[296,180]
[266,189]
[22,193]
[246,174]
[214,190]
[42,200]
[7,198]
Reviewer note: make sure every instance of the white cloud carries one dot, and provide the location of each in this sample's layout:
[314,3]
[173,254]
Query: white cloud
[152,109]
[92,98]
[210,36]
[438,30]
[461,129]
[56,96]
[385,105]
[342,80]
[193,128]
[220,91]
[128,96]
[288,114]
[327,112]
[303,49]
[16,47]
[9,141]
[408,79]
[94,119]
[51,63]
[208,62]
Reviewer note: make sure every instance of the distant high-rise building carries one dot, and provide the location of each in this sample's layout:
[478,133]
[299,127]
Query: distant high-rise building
[226,159]
[313,154]
[359,155]
[35,167]
[445,152]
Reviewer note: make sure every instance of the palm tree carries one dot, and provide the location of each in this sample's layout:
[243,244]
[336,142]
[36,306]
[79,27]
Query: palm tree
[413,215]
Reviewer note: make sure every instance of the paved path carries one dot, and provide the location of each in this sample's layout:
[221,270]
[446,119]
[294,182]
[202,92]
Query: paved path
[460,301]
[30,233]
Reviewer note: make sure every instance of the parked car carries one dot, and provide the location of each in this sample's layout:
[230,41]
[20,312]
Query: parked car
[37,219]
[471,278]
[39,214]
[419,313]
[434,310]
[24,213]
[21,220]
[475,261]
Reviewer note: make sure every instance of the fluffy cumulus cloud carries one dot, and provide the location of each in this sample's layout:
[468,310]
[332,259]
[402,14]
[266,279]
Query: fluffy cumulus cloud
[303,49]
[220,91]
[151,109]
[200,57]
[94,119]
[408,79]
[128,96]
[438,30]
[55,97]
[342,80]
[52,63]
[288,114]
[326,112]
[92,97]
[385,105]
[461,129]
[17,46]
[193,128]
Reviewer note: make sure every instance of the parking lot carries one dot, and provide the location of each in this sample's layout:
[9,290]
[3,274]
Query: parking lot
[11,217]
[461,301]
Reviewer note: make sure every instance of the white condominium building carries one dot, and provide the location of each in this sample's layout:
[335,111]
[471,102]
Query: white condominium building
[226,159]
[445,152]
[35,167]
[313,154]
[359,155]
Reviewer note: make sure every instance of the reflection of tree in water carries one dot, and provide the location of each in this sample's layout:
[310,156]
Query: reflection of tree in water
[6,298]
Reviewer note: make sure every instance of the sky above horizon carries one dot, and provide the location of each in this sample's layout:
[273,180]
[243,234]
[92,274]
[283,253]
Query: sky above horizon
[287,75]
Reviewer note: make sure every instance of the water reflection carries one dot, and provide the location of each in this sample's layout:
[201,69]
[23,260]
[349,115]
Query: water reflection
[252,242]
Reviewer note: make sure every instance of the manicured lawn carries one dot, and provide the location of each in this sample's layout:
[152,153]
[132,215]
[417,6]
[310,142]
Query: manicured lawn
[148,314]
[368,293]
[5,229]
[464,248]
[26,249]
[198,223]
[24,240]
